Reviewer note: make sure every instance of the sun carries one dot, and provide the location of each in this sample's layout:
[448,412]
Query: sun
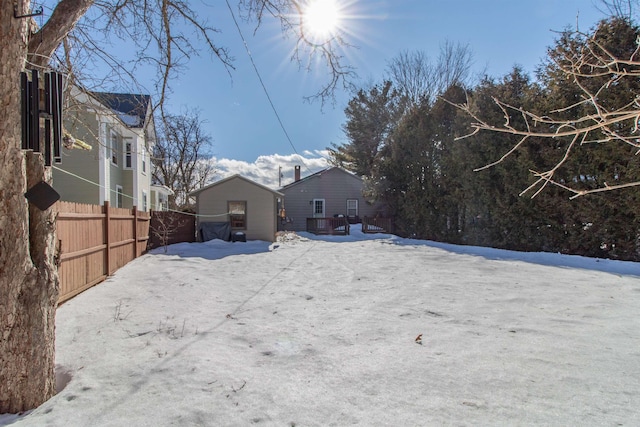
[321,18]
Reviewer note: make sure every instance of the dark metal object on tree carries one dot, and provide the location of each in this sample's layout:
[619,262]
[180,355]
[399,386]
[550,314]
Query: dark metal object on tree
[37,12]
[42,195]
[42,103]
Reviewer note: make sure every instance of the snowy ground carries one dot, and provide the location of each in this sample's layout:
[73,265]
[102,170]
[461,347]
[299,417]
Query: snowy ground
[321,331]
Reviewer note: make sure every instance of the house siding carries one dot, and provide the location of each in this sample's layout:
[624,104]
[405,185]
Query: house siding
[335,186]
[83,126]
[261,207]
[97,178]
[144,178]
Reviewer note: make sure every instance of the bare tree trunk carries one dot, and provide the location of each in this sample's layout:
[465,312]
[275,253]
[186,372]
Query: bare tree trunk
[28,277]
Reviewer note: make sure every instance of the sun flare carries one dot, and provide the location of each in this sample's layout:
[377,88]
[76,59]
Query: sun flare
[321,18]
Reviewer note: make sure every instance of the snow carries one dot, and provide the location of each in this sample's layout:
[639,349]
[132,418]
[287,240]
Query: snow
[321,330]
[129,119]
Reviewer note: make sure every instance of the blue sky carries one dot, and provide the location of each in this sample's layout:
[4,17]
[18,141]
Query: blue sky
[501,33]
[247,136]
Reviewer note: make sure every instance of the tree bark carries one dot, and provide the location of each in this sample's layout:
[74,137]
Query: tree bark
[26,345]
[28,273]
[64,17]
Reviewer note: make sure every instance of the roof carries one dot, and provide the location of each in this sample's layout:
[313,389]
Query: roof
[236,176]
[317,174]
[161,188]
[130,108]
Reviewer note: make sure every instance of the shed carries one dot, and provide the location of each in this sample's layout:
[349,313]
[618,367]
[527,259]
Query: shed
[250,209]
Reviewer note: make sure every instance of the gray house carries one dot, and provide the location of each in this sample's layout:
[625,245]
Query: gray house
[329,193]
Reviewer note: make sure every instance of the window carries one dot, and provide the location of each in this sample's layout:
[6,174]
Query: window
[318,208]
[143,155]
[352,208]
[238,215]
[144,201]
[119,195]
[127,155]
[113,147]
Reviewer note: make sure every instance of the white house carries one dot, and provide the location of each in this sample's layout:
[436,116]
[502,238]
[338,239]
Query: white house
[160,197]
[120,132]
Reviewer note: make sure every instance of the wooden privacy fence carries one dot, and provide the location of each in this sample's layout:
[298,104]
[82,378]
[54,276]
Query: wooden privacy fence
[95,241]
[169,227]
[377,225]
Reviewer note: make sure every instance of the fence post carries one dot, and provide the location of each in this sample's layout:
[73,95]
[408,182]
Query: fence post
[107,237]
[135,232]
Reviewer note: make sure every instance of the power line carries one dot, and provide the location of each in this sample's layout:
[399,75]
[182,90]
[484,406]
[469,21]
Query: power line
[133,198]
[264,87]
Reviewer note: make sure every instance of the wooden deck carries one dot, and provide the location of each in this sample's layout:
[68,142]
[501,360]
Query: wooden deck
[332,226]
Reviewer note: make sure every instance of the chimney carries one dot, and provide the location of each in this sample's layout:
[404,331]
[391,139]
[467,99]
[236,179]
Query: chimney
[296,173]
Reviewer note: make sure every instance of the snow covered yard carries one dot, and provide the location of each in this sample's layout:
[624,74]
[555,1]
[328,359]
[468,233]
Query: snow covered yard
[321,331]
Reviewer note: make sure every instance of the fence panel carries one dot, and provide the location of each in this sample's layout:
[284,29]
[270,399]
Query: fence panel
[143,232]
[82,246]
[167,228]
[121,238]
[94,241]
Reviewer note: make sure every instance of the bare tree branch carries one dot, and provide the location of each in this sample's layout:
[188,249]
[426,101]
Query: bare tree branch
[64,17]
[308,52]
[594,119]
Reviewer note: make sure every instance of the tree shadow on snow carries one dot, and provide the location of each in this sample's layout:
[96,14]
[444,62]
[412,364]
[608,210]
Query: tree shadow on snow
[627,268]
[213,249]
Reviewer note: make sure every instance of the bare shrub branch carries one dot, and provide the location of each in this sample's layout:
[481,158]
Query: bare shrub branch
[595,71]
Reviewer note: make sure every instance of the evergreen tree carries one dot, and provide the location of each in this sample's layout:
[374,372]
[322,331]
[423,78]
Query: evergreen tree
[453,168]
[408,176]
[371,116]
[604,225]
[496,215]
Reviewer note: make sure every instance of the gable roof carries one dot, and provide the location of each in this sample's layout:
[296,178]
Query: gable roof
[318,174]
[236,176]
[130,108]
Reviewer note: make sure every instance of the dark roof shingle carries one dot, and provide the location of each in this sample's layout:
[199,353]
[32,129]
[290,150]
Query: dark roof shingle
[130,108]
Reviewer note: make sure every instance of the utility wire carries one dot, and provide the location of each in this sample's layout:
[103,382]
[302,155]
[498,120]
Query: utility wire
[264,87]
[133,198]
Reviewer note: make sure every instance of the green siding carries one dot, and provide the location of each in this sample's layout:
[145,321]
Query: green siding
[83,163]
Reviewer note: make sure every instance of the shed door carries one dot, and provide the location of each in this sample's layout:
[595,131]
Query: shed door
[318,208]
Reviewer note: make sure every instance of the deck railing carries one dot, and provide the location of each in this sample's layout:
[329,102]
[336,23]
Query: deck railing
[377,225]
[334,226]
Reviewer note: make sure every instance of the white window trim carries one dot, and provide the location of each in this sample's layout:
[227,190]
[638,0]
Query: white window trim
[113,151]
[119,191]
[145,201]
[128,153]
[103,168]
[324,208]
[356,207]
[143,158]
[244,227]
